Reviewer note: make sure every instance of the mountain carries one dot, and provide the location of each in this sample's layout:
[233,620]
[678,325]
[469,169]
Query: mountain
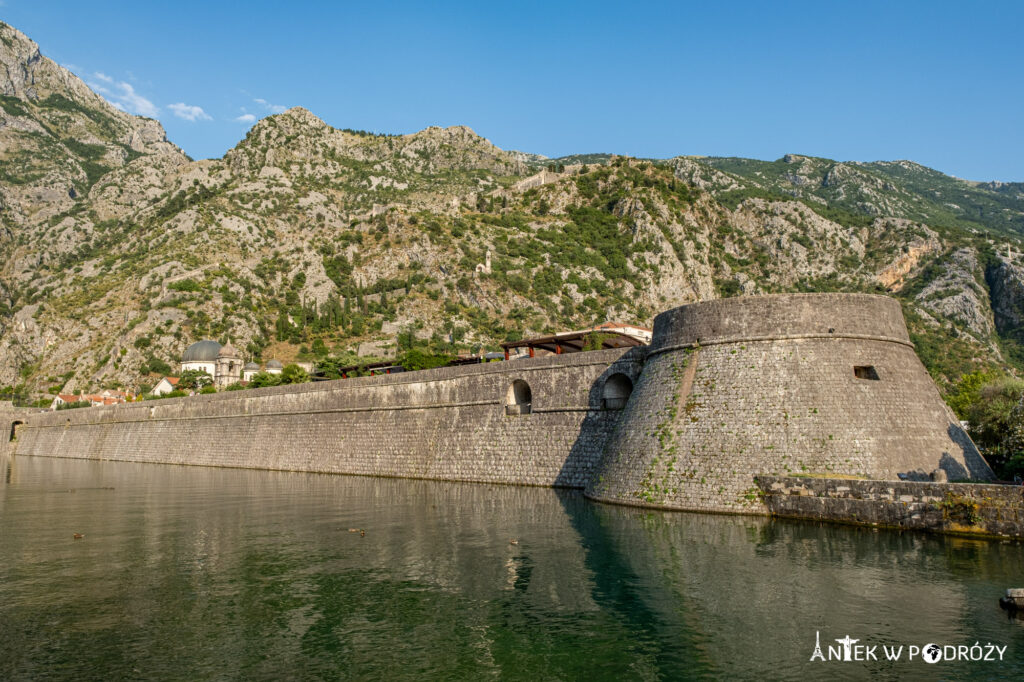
[305,240]
[58,137]
[898,188]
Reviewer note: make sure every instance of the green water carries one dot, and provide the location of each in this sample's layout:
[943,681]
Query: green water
[195,574]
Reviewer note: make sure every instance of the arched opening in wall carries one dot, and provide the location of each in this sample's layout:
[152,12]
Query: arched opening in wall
[617,389]
[14,431]
[865,372]
[520,398]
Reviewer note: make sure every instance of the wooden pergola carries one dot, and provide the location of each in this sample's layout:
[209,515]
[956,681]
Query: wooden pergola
[572,342]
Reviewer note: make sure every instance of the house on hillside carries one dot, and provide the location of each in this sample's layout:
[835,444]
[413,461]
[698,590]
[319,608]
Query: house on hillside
[165,386]
[65,399]
[107,397]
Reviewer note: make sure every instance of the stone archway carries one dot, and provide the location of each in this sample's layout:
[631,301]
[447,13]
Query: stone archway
[519,399]
[617,389]
[14,430]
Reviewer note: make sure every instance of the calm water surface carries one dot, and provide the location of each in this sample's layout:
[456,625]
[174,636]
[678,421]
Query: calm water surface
[194,574]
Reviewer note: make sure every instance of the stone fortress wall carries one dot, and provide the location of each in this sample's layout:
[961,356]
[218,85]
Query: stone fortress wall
[452,424]
[728,390]
[11,420]
[827,384]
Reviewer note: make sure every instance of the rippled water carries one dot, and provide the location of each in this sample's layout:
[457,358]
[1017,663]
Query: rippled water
[190,573]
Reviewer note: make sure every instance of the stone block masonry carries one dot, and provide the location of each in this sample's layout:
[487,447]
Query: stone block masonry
[445,424]
[820,383]
[823,384]
[11,420]
[963,508]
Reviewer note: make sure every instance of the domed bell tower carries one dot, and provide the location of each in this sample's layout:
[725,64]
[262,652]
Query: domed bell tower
[229,366]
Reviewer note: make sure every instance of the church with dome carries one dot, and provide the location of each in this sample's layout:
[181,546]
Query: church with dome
[223,363]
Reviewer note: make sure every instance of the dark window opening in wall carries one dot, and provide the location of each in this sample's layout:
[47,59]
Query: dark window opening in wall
[14,431]
[865,372]
[617,389]
[519,399]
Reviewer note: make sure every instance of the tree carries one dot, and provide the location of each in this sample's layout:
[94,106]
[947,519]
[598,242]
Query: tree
[996,423]
[967,391]
[407,338]
[293,374]
[417,358]
[594,341]
[264,379]
[330,367]
[319,348]
[194,379]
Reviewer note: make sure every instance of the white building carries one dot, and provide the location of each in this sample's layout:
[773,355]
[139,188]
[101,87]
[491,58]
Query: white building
[165,386]
[222,363]
[250,370]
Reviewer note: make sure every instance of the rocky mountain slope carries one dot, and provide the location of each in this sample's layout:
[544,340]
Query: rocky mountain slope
[304,240]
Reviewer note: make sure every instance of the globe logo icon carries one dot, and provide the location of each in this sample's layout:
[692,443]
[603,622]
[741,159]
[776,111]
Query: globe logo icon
[931,653]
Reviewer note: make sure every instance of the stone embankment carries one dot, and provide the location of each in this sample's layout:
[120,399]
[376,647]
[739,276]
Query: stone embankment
[961,508]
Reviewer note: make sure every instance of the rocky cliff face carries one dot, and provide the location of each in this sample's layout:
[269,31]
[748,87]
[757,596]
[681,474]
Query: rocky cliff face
[119,250]
[1005,278]
[57,137]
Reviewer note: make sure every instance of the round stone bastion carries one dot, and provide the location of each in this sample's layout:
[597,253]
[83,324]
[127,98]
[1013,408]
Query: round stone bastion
[795,384]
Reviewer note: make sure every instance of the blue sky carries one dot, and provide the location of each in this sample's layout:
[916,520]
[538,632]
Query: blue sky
[937,82]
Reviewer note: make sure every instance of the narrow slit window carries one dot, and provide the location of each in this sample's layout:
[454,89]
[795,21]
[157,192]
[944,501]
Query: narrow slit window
[866,372]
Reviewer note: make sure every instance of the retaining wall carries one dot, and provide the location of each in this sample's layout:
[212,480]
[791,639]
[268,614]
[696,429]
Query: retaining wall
[940,507]
[447,424]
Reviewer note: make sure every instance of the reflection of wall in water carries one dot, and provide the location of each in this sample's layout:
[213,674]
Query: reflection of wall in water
[717,595]
[742,579]
[451,536]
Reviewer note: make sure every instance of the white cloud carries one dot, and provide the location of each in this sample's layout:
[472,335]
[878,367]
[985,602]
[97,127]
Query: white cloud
[134,102]
[123,96]
[189,112]
[246,118]
[272,108]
